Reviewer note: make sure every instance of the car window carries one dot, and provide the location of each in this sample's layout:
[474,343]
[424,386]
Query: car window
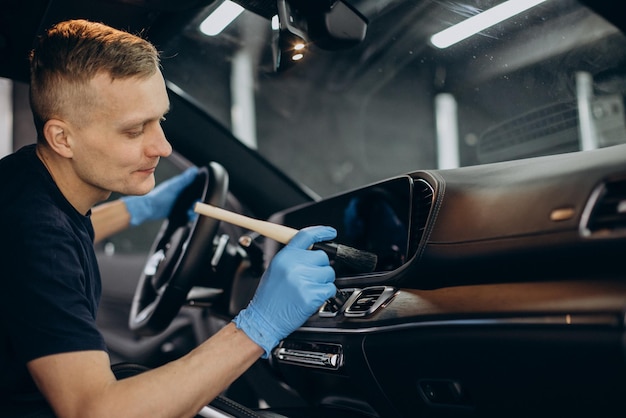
[534,84]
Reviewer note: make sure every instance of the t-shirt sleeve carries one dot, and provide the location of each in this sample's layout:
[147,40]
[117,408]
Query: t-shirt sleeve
[52,293]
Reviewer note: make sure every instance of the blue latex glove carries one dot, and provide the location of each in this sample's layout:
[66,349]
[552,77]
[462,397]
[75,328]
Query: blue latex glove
[159,202]
[295,285]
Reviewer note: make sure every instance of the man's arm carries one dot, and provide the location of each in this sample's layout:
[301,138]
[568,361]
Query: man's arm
[109,218]
[296,283]
[81,384]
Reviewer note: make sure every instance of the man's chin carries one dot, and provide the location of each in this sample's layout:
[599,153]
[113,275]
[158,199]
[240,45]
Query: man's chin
[145,190]
[142,188]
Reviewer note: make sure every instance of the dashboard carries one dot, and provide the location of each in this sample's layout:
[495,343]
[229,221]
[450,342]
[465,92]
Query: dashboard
[431,228]
[499,289]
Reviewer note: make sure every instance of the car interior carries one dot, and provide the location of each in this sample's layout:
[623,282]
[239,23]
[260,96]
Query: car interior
[486,176]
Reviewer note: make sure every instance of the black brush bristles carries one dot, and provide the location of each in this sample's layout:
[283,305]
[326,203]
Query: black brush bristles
[346,259]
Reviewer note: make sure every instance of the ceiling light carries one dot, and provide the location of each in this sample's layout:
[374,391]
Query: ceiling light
[481,21]
[220,18]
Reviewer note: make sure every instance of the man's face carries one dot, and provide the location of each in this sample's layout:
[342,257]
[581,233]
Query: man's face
[119,146]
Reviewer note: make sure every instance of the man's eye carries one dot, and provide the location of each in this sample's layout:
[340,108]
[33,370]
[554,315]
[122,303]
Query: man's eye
[134,134]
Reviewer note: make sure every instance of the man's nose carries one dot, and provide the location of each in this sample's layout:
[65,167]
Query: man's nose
[158,145]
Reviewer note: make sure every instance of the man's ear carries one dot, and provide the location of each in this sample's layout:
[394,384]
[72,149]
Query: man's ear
[56,133]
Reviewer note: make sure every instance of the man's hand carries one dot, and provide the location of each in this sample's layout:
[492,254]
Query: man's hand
[295,285]
[159,202]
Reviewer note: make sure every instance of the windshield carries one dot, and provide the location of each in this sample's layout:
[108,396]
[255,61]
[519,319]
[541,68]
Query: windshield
[548,80]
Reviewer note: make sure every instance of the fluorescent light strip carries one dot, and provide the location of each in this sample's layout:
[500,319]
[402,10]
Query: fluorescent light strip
[221,17]
[481,21]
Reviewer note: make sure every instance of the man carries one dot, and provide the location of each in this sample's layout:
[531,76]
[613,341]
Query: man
[98,98]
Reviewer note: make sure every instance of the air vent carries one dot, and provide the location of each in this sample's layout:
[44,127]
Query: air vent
[369,300]
[423,195]
[605,214]
[333,306]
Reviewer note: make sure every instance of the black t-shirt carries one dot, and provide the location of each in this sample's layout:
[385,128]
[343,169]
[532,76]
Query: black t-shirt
[49,278]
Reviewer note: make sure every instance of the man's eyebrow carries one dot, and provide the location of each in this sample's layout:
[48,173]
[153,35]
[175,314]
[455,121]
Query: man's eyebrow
[167,110]
[131,123]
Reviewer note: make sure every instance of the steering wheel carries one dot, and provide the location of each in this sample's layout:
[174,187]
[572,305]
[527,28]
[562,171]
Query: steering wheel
[179,254]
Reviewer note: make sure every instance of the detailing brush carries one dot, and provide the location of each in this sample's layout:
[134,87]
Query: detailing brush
[342,258]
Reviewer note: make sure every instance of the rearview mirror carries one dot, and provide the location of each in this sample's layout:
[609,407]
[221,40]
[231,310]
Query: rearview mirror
[330,25]
[337,27]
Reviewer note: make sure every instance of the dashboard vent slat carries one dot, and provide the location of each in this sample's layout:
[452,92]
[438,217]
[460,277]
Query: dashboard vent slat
[423,195]
[369,300]
[606,211]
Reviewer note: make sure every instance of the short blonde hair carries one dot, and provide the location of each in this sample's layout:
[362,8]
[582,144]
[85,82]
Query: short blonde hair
[73,52]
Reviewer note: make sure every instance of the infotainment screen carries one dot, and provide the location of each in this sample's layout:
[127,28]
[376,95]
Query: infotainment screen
[375,218]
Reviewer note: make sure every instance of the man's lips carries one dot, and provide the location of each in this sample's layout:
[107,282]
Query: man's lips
[148,170]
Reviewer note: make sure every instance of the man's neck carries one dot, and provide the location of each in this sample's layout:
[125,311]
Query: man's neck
[79,194]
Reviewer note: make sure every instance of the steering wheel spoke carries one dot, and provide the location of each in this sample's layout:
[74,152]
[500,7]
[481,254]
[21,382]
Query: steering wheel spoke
[178,254]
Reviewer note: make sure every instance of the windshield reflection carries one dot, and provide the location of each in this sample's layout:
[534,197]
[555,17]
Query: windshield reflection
[548,80]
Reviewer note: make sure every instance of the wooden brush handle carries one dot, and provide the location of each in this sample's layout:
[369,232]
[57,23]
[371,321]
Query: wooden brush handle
[280,233]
